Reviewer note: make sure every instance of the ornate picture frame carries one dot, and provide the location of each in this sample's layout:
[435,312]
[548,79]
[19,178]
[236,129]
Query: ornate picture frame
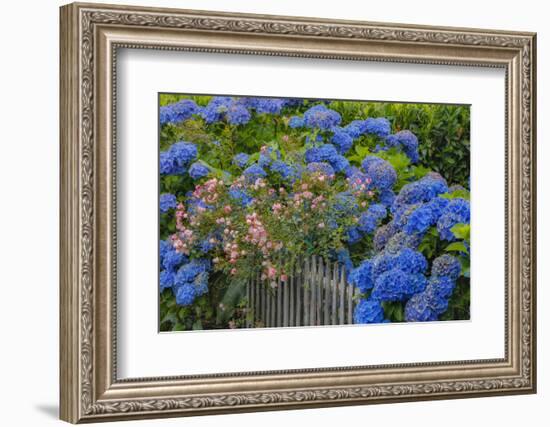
[90,37]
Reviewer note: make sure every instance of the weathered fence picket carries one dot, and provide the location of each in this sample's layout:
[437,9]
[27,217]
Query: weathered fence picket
[315,294]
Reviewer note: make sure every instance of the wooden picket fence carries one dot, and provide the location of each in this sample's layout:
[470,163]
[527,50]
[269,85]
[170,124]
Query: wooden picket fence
[315,296]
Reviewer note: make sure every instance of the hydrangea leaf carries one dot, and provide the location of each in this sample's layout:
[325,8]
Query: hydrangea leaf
[457,194]
[457,247]
[461,231]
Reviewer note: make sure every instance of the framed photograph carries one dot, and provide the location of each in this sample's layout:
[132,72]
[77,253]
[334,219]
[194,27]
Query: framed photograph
[267,212]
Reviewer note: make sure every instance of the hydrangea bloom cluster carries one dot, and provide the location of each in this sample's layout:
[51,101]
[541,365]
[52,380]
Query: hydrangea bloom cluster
[177,158]
[329,154]
[226,108]
[368,311]
[321,117]
[241,159]
[380,172]
[406,141]
[167,201]
[178,112]
[429,304]
[198,171]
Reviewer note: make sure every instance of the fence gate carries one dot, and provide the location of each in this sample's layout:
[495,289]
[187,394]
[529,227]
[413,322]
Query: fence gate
[318,295]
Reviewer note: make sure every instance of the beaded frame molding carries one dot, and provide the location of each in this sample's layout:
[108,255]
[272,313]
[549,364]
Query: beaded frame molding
[90,37]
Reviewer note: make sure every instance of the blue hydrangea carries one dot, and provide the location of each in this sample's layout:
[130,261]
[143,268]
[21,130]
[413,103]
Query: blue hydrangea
[166,280]
[254,171]
[321,167]
[356,128]
[456,212]
[167,201]
[177,158]
[381,172]
[369,220]
[241,196]
[267,156]
[201,284]
[353,235]
[323,153]
[446,265]
[198,170]
[188,272]
[205,246]
[241,159]
[321,117]
[166,163]
[411,261]
[216,109]
[377,126]
[362,275]
[382,263]
[353,172]
[292,102]
[402,240]
[339,163]
[397,285]
[420,220]
[342,140]
[186,294]
[296,122]
[283,169]
[441,286]
[172,260]
[268,105]
[237,114]
[386,197]
[327,153]
[367,223]
[164,247]
[178,111]
[368,311]
[418,309]
[437,301]
[382,235]
[407,142]
[423,190]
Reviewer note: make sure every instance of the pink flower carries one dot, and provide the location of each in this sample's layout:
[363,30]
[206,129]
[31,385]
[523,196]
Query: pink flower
[271,272]
[305,186]
[233,271]
[285,138]
[227,209]
[321,225]
[284,277]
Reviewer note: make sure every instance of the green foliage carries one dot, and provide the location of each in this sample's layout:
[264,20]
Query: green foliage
[443,132]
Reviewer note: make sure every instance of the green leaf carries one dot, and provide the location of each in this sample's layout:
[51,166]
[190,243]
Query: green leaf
[169,317]
[399,160]
[461,231]
[457,247]
[362,151]
[197,325]
[457,194]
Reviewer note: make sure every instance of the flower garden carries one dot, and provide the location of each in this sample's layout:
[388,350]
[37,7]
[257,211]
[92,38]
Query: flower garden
[250,187]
